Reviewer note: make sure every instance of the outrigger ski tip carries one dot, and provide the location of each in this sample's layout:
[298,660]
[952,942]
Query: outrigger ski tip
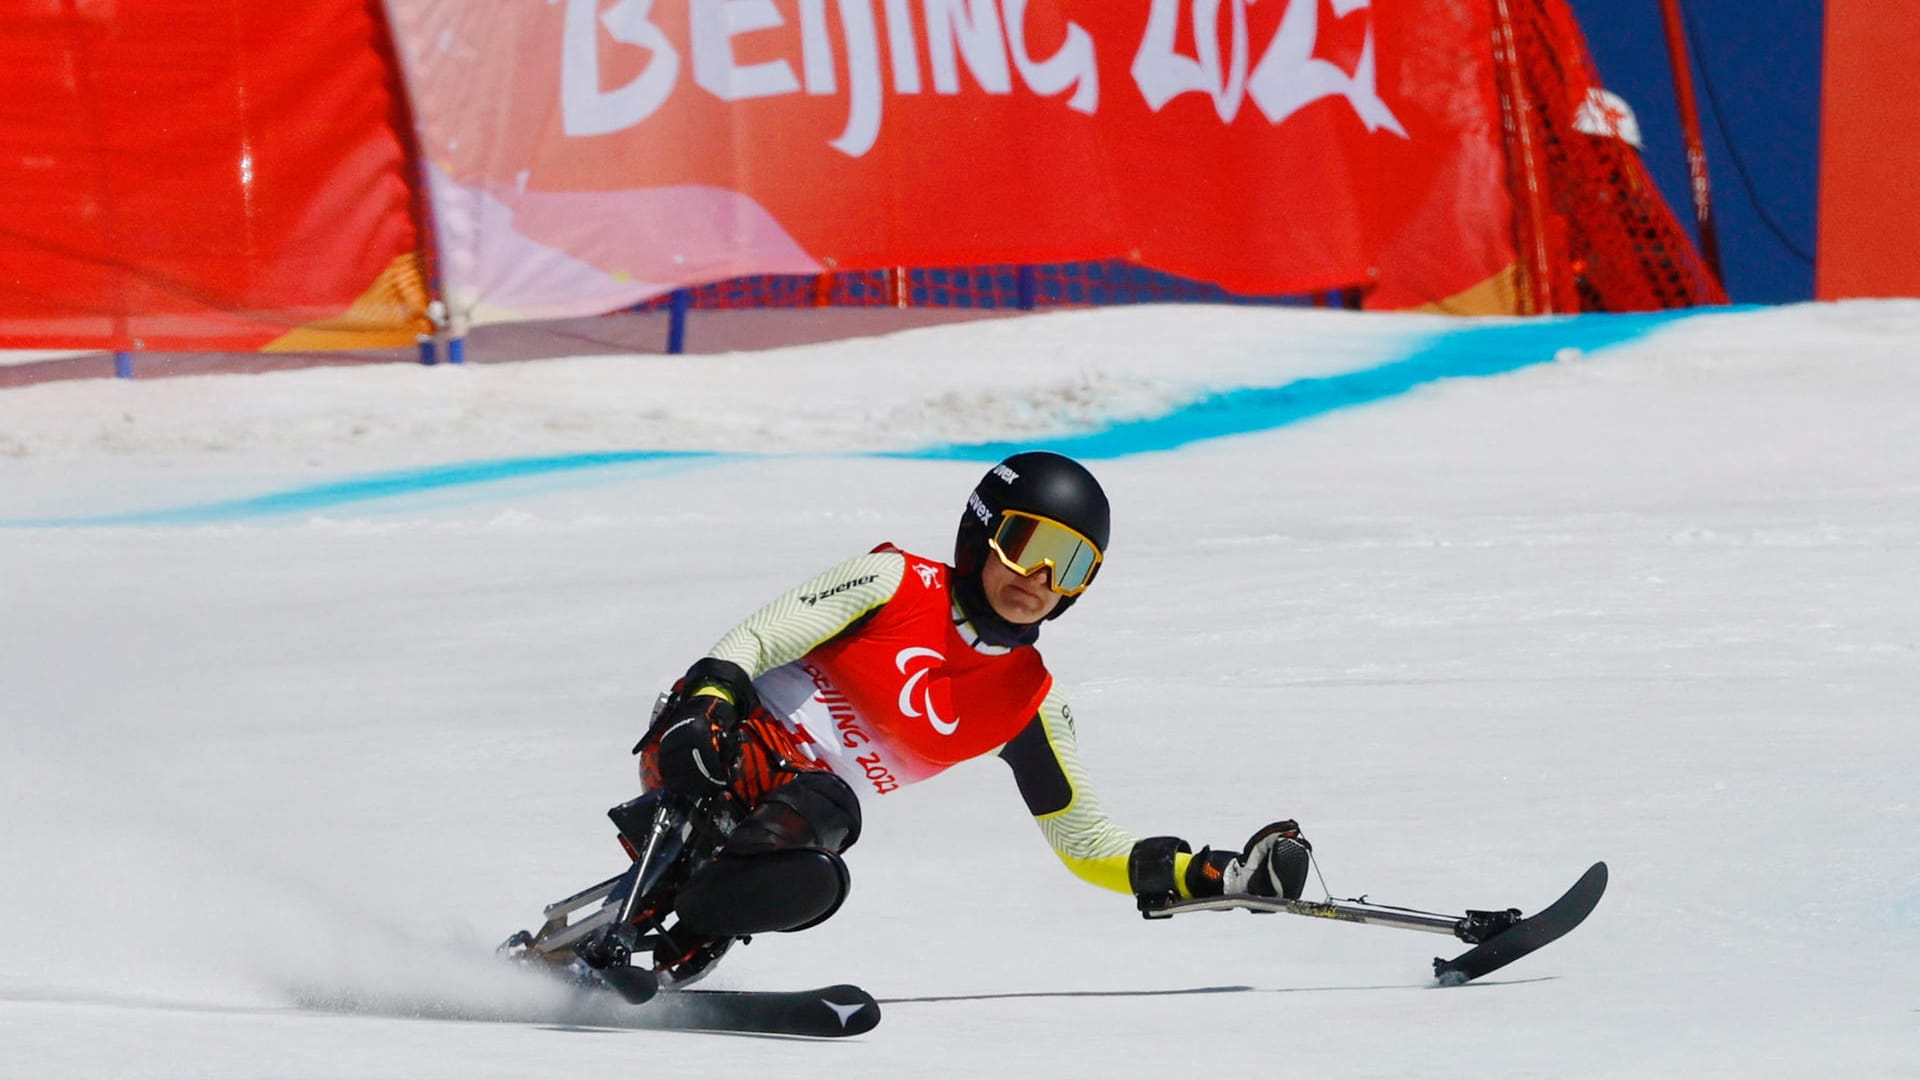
[1525,935]
[1498,937]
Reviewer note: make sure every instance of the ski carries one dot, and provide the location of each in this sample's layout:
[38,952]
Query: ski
[1498,937]
[828,1012]
[1528,934]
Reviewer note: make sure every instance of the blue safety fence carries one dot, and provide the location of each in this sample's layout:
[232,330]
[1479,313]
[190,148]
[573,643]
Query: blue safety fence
[999,287]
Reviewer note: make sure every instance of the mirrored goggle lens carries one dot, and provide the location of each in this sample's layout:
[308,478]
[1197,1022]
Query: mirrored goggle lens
[1027,543]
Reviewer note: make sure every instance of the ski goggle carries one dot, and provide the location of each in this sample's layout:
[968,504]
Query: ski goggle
[1025,543]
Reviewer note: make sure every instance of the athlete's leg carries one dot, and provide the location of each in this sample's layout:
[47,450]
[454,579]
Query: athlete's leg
[780,869]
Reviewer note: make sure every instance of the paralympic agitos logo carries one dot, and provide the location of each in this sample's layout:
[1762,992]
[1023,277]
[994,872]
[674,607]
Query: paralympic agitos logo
[916,695]
[987,37]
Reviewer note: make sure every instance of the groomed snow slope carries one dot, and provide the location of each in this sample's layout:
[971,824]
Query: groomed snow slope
[317,684]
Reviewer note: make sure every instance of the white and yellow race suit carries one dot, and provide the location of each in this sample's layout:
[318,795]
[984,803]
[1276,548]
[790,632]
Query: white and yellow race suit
[875,672]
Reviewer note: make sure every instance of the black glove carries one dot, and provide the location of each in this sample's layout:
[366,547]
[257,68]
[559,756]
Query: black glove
[1274,863]
[696,749]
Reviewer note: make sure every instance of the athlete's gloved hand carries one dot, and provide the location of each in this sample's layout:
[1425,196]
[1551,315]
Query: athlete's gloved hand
[1274,863]
[696,752]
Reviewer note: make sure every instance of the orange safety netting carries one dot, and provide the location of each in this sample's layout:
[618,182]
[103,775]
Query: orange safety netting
[1592,230]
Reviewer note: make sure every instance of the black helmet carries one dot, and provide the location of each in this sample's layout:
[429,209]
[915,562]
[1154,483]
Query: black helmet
[1037,482]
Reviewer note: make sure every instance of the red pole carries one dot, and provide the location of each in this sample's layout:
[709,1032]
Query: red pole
[1690,125]
[1533,262]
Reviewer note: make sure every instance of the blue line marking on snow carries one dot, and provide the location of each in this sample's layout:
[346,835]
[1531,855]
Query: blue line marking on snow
[380,486]
[1470,352]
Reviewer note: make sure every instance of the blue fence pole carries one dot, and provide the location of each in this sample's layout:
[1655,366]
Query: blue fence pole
[456,350]
[123,365]
[677,308]
[1025,288]
[429,351]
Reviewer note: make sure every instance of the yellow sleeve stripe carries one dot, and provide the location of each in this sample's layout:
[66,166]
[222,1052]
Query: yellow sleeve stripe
[1180,863]
[1108,873]
[1111,872]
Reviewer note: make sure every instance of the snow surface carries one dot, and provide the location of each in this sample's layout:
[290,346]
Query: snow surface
[317,685]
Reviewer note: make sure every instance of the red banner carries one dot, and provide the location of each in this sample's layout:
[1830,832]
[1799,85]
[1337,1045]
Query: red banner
[227,174]
[199,174]
[1870,151]
[590,153]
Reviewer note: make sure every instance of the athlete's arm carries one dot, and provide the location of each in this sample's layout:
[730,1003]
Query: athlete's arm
[1046,765]
[813,613]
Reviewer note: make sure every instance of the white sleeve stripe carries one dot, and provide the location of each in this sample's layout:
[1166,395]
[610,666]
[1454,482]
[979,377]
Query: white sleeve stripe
[1082,831]
[813,613]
